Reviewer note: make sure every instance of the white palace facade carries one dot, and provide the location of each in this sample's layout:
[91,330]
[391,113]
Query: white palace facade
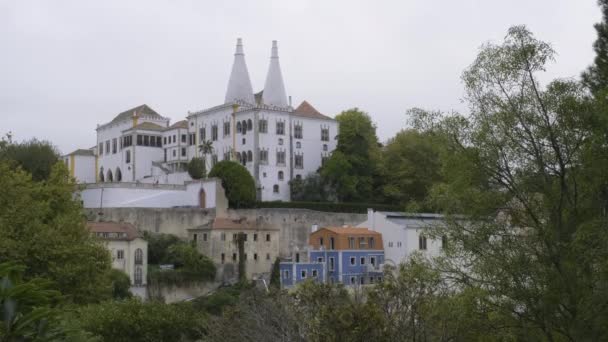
[262,131]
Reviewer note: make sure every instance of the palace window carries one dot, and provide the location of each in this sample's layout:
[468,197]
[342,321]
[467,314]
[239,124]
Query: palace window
[191,139]
[214,132]
[303,274]
[127,156]
[372,260]
[267,237]
[324,134]
[202,134]
[128,141]
[299,161]
[226,128]
[223,237]
[298,131]
[286,274]
[174,138]
[255,237]
[314,273]
[214,159]
[267,256]
[325,147]
[331,263]
[165,140]
[139,257]
[362,261]
[280,157]
[263,156]
[184,138]
[280,128]
[249,156]
[353,261]
[351,242]
[204,236]
[280,175]
[183,151]
[275,188]
[100,149]
[107,146]
[233,256]
[223,257]
[238,127]
[320,259]
[263,126]
[146,140]
[255,256]
[372,242]
[362,243]
[120,254]
[298,144]
[249,125]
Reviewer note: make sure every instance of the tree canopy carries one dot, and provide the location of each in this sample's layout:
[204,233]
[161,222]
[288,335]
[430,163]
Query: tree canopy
[34,156]
[237,182]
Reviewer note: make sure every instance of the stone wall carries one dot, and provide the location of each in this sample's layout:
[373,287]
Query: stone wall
[294,224]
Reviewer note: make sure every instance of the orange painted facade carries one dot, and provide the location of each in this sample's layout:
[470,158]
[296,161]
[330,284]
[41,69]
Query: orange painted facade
[346,238]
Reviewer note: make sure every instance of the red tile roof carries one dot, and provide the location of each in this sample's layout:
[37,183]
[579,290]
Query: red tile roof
[349,230]
[125,231]
[307,110]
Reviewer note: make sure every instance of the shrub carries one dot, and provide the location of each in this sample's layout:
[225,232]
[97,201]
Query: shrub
[196,168]
[237,182]
[121,283]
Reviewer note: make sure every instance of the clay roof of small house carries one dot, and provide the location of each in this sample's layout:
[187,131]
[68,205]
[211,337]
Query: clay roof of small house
[349,230]
[146,126]
[82,152]
[179,124]
[307,110]
[139,110]
[114,227]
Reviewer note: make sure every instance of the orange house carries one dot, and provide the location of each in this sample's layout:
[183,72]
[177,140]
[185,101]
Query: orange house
[346,238]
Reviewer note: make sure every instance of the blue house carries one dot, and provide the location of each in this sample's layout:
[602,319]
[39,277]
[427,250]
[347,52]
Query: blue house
[347,255]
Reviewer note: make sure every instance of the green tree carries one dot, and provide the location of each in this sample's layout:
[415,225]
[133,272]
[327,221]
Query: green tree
[28,309]
[309,189]
[596,76]
[133,320]
[42,227]
[352,168]
[121,284]
[524,176]
[34,156]
[158,247]
[275,274]
[412,166]
[196,168]
[237,182]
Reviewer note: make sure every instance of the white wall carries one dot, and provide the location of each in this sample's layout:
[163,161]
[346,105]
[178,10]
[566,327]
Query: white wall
[127,264]
[150,195]
[405,230]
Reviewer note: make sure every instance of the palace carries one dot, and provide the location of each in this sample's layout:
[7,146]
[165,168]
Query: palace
[273,140]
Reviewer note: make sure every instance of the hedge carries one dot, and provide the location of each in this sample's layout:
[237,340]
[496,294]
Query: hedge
[359,208]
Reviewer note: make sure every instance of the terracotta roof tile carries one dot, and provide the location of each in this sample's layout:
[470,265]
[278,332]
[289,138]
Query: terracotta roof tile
[349,230]
[179,124]
[140,110]
[125,230]
[147,126]
[307,110]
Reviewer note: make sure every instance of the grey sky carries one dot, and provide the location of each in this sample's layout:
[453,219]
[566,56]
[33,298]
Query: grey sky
[67,65]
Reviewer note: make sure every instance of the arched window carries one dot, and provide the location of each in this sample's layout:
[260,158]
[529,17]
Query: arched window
[280,175]
[139,257]
[249,156]
[138,276]
[249,125]
[238,156]
[118,175]
[110,177]
[238,127]
[298,177]
[128,155]
[244,123]
[298,144]
[101,177]
[275,188]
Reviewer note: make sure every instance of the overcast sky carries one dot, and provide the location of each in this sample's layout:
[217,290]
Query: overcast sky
[66,66]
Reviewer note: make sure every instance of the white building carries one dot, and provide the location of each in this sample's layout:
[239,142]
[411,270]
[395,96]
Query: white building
[404,234]
[274,141]
[129,251]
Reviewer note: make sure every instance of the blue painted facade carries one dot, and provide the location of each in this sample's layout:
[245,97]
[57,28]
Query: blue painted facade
[349,267]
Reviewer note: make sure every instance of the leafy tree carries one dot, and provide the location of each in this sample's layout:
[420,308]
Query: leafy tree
[237,182]
[121,284]
[158,247]
[134,320]
[412,165]
[353,166]
[34,156]
[42,228]
[596,76]
[525,176]
[275,274]
[196,168]
[309,189]
[28,309]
